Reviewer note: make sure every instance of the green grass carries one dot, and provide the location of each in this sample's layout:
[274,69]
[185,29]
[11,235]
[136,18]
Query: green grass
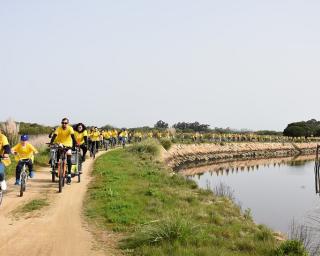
[33,205]
[164,214]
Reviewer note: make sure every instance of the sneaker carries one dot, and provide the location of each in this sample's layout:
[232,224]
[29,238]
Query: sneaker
[69,179]
[18,182]
[31,174]
[3,185]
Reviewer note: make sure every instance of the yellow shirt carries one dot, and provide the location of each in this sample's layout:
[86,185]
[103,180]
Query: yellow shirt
[64,136]
[124,134]
[95,136]
[4,142]
[80,136]
[24,152]
[107,135]
[114,134]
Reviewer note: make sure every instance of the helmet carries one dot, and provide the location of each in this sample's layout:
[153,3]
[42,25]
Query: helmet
[24,137]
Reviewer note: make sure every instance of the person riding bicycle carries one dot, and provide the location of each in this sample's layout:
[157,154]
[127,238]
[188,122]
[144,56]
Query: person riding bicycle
[123,136]
[107,137]
[114,136]
[24,153]
[5,150]
[81,135]
[95,137]
[64,135]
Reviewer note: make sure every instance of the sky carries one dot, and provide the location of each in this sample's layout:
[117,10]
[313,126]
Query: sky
[239,64]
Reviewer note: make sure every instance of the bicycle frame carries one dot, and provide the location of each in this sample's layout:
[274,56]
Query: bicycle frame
[23,176]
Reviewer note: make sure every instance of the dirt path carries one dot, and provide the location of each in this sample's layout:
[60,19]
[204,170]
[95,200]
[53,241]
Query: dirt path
[58,229]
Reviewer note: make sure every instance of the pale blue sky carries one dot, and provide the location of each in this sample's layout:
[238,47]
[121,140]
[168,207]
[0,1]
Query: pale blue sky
[242,64]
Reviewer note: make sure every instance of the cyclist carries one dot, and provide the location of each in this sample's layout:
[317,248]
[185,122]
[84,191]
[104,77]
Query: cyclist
[95,137]
[81,135]
[123,136]
[64,135]
[107,137]
[114,137]
[24,151]
[5,150]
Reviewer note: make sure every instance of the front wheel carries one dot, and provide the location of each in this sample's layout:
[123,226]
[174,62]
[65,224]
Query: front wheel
[1,196]
[22,187]
[61,176]
[53,175]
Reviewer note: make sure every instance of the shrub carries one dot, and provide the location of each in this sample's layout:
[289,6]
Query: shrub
[169,230]
[291,248]
[149,146]
[11,130]
[166,143]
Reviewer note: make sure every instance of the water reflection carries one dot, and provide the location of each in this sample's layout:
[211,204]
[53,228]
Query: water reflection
[232,167]
[276,190]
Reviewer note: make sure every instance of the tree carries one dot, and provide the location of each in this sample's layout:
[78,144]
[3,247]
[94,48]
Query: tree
[299,129]
[161,125]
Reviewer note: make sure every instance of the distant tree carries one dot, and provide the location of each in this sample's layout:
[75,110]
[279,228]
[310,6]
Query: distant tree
[267,132]
[161,125]
[306,129]
[195,126]
[107,127]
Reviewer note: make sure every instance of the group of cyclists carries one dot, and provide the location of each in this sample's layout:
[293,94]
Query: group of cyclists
[70,137]
[66,136]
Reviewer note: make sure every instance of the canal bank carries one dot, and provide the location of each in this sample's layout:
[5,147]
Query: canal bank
[181,155]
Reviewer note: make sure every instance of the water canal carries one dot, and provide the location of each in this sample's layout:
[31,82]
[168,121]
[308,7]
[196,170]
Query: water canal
[276,190]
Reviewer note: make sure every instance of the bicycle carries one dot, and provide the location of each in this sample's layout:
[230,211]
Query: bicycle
[93,149]
[23,176]
[106,144]
[62,165]
[123,141]
[53,161]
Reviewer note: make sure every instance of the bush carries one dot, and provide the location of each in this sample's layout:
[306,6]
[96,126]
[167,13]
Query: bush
[149,146]
[166,143]
[291,248]
[169,231]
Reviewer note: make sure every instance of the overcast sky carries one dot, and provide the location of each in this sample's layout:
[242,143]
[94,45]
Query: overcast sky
[240,64]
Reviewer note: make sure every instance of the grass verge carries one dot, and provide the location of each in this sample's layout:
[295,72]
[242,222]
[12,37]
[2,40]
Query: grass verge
[31,208]
[164,214]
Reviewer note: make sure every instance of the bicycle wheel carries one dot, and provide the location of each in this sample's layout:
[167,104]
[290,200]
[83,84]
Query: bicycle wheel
[1,196]
[22,185]
[60,172]
[53,176]
[53,172]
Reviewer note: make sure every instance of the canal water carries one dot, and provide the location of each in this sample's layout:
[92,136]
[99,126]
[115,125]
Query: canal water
[276,190]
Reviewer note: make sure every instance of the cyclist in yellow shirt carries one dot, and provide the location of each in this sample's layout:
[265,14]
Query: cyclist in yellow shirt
[5,150]
[95,138]
[107,138]
[64,135]
[24,152]
[114,137]
[81,136]
[123,136]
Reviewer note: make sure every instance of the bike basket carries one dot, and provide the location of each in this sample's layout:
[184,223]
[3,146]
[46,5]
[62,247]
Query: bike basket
[74,157]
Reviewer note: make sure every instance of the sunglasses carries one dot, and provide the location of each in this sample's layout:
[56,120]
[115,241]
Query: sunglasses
[63,123]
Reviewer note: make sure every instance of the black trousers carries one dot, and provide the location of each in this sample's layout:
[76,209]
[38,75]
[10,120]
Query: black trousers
[20,165]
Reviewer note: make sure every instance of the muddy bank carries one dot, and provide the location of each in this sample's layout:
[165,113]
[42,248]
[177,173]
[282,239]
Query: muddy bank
[180,156]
